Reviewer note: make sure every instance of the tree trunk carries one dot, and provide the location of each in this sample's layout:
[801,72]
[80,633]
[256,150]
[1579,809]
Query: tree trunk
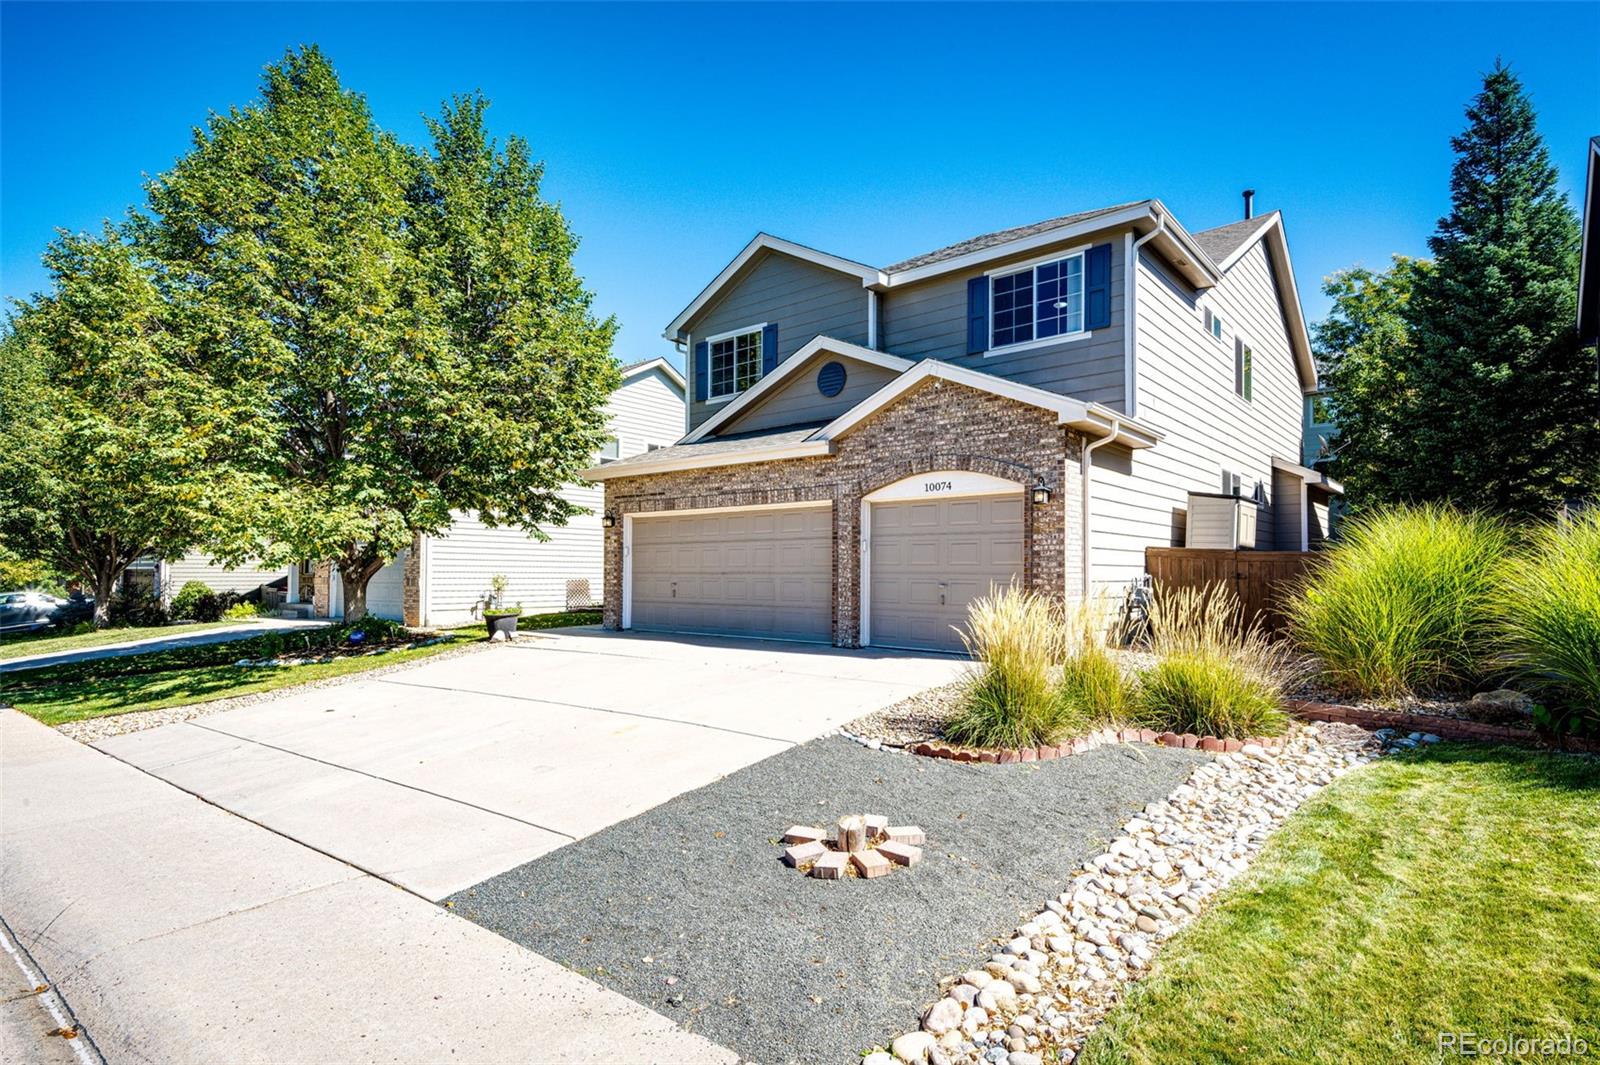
[355,579]
[104,580]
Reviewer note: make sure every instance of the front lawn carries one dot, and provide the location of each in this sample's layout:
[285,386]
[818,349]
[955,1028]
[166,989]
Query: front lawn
[62,693]
[49,643]
[1453,890]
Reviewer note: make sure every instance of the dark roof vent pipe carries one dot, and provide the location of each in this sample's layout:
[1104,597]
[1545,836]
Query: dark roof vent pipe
[1249,203]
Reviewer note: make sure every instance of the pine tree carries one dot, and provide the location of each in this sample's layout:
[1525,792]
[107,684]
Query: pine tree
[1510,421]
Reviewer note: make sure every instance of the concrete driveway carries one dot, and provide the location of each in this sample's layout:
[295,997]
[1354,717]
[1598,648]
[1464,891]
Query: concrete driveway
[438,777]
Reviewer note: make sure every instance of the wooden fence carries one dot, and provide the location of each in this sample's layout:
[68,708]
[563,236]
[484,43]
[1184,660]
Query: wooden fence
[1261,579]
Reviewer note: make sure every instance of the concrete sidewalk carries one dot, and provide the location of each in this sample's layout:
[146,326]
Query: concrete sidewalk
[179,932]
[150,644]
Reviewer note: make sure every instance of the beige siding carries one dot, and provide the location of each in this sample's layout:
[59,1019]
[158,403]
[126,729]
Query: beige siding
[798,402]
[195,566]
[803,299]
[929,320]
[647,410]
[1185,389]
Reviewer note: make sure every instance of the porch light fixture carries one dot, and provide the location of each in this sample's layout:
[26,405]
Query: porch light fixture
[1041,494]
[609,520]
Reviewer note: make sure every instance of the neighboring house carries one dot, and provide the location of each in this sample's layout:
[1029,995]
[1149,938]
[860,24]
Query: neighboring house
[1589,271]
[444,580]
[1319,436]
[869,448]
[150,576]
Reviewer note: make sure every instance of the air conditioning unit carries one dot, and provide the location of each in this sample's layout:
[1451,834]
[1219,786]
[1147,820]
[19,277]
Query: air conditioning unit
[1221,521]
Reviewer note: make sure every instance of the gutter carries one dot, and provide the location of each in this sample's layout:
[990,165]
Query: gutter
[1087,459]
[1130,324]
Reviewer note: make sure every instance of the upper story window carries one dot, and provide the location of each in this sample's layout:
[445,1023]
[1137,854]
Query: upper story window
[1037,303]
[610,451]
[1322,411]
[1213,324]
[735,364]
[1243,369]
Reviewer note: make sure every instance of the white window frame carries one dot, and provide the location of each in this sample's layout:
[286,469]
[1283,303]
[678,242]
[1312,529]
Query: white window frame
[1214,324]
[1079,252]
[711,341]
[1244,384]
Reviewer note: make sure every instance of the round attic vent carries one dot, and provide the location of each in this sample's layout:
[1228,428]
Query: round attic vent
[830,379]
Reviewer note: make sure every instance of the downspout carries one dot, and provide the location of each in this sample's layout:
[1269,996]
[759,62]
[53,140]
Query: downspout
[1086,475]
[1130,290]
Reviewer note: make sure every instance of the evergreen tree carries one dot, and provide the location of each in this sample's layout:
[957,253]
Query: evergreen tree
[1508,420]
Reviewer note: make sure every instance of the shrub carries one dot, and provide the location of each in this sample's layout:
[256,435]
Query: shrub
[1015,639]
[245,611]
[1405,602]
[1214,676]
[195,601]
[1093,690]
[1550,623]
[373,630]
[133,608]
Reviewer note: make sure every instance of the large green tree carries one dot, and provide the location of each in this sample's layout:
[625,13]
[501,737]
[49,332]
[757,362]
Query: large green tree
[120,442]
[412,321]
[1508,421]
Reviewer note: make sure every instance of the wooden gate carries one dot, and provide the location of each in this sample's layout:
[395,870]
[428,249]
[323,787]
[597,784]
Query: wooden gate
[1261,579]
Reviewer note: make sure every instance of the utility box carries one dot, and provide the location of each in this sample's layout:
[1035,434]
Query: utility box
[1219,521]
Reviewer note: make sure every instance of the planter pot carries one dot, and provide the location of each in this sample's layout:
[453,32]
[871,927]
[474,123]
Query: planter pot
[506,623]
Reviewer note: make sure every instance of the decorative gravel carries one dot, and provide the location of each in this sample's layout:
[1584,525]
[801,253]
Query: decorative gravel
[1057,973]
[688,909]
[99,728]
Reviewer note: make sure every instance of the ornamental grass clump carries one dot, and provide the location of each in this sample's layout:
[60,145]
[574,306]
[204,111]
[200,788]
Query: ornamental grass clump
[1406,602]
[1015,640]
[1550,621]
[1214,675]
[1093,690]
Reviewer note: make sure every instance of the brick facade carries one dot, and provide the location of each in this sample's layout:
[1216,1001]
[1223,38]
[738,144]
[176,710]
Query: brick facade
[938,425]
[411,584]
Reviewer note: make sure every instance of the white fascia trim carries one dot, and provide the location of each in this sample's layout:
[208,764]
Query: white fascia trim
[1278,251]
[657,364]
[1269,219]
[765,241]
[788,366]
[1022,244]
[1075,413]
[768,453]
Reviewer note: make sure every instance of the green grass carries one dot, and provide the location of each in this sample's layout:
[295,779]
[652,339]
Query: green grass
[1551,622]
[558,620]
[63,697]
[1406,601]
[1456,889]
[49,643]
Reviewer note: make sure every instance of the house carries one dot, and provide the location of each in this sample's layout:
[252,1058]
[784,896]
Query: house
[163,580]
[444,580]
[1589,269]
[868,448]
[1319,436]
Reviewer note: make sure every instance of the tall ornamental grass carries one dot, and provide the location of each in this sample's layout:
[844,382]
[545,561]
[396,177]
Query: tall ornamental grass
[1212,676]
[1406,601]
[1092,691]
[1015,640]
[1550,625]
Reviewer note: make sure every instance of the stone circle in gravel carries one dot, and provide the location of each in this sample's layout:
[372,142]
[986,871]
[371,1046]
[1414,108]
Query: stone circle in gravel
[862,847]
[1052,980]
[686,909]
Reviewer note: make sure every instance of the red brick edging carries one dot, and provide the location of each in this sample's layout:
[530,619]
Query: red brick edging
[1013,755]
[1450,728]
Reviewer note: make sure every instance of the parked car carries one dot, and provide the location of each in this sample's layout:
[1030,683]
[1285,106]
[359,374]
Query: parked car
[35,611]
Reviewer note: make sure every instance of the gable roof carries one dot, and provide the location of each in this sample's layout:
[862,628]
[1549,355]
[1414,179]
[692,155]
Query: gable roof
[637,369]
[767,242]
[1268,229]
[1093,419]
[1225,242]
[1004,236]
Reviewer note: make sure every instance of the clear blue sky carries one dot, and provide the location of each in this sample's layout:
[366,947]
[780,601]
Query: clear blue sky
[672,134]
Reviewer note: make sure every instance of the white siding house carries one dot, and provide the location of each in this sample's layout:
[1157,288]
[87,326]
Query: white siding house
[454,569]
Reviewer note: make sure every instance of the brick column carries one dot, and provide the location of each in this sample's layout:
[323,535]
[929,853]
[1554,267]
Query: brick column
[321,586]
[411,584]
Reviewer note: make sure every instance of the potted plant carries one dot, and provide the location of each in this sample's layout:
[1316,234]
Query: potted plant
[496,616]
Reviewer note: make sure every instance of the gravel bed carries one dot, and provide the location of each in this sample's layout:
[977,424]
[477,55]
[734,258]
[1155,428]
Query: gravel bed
[99,728]
[687,909]
[1062,968]
[1498,707]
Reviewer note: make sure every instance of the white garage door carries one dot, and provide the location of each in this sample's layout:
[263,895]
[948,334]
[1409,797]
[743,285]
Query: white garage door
[386,590]
[930,558]
[762,572]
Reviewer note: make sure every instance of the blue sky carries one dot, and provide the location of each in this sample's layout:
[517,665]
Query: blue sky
[673,133]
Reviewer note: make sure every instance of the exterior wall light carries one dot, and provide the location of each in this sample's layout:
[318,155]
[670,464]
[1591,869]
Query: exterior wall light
[1041,494]
[609,520]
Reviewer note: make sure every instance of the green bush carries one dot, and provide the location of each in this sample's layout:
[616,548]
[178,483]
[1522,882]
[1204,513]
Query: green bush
[1405,602]
[245,611]
[134,608]
[1093,690]
[1213,675]
[1015,640]
[1550,624]
[194,601]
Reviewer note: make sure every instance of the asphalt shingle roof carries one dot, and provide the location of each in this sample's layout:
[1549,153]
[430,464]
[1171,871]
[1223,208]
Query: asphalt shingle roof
[1223,241]
[989,240]
[715,444]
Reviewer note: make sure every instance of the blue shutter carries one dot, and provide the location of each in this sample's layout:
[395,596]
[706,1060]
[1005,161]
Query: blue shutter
[769,348]
[1097,287]
[702,370]
[977,315]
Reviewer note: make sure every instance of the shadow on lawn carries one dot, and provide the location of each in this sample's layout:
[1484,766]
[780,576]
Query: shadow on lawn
[1525,766]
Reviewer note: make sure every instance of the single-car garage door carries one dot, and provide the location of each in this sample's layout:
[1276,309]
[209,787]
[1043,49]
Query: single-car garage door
[929,558]
[761,572]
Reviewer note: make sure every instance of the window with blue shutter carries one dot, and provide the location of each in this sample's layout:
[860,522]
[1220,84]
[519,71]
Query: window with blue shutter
[977,315]
[702,370]
[769,348]
[1097,287]
[1060,298]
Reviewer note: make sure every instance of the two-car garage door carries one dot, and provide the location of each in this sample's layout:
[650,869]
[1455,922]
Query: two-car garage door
[762,572]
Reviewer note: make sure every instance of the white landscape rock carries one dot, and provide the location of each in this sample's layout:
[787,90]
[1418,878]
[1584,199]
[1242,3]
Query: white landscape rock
[1053,981]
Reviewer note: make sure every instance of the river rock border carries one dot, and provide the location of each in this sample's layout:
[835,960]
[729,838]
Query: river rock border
[1051,983]
[1451,728]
